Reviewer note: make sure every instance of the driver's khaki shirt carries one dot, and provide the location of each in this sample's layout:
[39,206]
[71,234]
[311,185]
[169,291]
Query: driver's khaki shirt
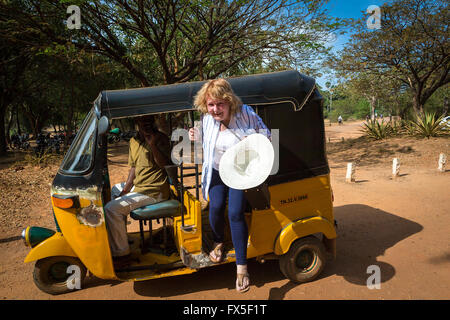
[150,180]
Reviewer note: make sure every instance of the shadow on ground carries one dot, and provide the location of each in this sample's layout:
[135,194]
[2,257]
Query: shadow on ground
[364,234]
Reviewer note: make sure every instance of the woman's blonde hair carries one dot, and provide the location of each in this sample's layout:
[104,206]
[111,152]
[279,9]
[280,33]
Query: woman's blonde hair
[217,89]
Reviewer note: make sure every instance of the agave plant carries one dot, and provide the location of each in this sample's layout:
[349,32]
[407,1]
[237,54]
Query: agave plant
[399,127]
[377,130]
[427,125]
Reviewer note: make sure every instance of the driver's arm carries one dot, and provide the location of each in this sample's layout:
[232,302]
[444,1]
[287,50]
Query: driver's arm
[129,184]
[160,146]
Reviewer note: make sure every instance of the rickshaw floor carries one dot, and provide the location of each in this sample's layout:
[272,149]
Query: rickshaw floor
[158,254]
[157,246]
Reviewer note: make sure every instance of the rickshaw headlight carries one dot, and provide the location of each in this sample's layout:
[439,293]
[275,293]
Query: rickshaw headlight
[32,236]
[65,201]
[24,236]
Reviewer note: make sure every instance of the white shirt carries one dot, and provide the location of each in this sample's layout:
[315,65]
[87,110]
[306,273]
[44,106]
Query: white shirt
[225,140]
[246,122]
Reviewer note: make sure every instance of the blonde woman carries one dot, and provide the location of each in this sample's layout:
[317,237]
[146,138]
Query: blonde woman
[225,122]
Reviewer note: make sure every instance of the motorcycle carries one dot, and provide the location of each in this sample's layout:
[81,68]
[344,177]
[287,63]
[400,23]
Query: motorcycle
[114,135]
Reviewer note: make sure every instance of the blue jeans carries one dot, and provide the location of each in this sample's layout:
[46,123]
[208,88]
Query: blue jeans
[218,192]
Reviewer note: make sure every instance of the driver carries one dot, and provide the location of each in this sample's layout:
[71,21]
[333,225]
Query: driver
[147,183]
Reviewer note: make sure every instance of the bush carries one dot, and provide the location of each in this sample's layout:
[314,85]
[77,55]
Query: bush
[380,130]
[427,125]
[41,160]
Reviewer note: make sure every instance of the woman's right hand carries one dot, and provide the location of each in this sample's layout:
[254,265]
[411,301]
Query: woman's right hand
[193,134]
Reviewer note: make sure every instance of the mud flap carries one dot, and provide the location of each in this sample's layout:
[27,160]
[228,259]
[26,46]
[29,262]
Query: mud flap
[56,245]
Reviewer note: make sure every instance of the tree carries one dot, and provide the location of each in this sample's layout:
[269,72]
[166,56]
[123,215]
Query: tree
[170,41]
[163,41]
[376,89]
[43,81]
[15,59]
[412,47]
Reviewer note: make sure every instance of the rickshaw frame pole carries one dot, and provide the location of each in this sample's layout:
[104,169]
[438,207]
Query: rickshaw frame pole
[181,191]
[180,188]
[197,194]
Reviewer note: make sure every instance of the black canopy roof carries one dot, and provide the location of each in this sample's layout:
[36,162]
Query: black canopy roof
[288,86]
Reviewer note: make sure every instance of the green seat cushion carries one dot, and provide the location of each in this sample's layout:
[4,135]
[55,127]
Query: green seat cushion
[164,209]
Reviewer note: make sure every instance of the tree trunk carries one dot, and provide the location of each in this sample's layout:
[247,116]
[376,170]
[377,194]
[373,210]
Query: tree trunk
[373,101]
[445,106]
[8,127]
[418,107]
[2,132]
[32,121]
[5,101]
[19,132]
[70,126]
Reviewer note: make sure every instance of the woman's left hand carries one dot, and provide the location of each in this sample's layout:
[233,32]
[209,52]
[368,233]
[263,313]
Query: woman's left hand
[193,134]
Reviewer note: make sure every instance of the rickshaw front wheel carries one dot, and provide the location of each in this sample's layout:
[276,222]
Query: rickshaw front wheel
[304,261]
[60,274]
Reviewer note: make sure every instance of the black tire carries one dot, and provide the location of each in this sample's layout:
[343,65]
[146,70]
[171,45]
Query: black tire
[304,261]
[50,274]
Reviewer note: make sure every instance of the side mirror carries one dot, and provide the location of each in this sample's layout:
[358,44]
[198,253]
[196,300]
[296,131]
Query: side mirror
[103,125]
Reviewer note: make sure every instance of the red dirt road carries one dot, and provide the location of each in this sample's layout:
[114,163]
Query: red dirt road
[401,226]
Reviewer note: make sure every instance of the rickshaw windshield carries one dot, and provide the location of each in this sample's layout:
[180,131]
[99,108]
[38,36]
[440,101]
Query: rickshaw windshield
[79,158]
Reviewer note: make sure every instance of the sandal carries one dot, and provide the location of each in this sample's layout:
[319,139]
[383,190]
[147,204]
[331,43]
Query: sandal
[242,282]
[216,255]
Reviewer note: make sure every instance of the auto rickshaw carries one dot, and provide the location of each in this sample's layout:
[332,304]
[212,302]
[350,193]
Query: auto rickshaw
[289,216]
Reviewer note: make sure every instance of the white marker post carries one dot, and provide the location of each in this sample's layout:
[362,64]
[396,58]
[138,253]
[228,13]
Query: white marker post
[350,176]
[395,168]
[442,161]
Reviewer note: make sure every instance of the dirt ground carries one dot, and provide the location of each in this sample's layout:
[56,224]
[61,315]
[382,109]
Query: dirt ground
[400,225]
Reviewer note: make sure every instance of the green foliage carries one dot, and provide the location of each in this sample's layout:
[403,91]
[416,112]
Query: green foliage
[378,130]
[427,125]
[411,48]
[436,102]
[43,160]
[351,107]
[400,127]
[347,102]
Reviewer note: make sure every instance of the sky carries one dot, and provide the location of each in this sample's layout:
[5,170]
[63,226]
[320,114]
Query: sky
[345,9]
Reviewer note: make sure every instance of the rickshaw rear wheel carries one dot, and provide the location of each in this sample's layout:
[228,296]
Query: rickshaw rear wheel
[51,274]
[304,261]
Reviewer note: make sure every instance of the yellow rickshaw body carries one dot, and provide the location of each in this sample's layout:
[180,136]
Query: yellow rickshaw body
[189,237]
[88,240]
[297,209]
